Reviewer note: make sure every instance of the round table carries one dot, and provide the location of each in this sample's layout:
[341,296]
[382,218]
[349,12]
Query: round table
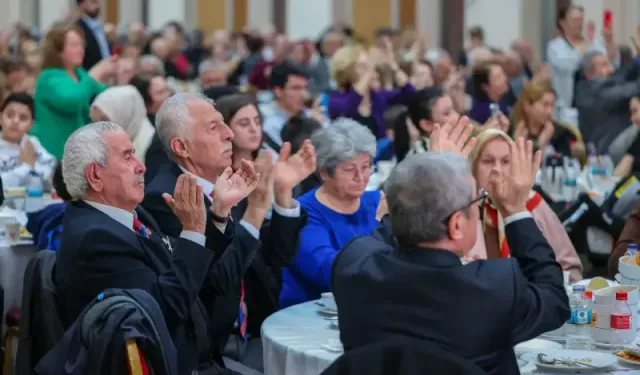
[292,341]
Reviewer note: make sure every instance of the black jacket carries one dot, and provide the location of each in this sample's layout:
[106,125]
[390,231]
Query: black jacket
[99,253]
[276,248]
[96,342]
[41,325]
[92,54]
[479,311]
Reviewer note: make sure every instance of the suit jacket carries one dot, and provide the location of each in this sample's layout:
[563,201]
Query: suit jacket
[278,246]
[92,54]
[479,311]
[96,343]
[99,253]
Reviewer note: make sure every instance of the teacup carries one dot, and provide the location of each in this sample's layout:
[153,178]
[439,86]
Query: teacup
[328,301]
[12,230]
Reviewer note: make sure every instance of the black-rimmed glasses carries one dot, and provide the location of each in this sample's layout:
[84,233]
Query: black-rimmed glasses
[482,195]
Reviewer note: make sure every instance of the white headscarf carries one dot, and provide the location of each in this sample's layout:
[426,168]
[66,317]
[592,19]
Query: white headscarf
[124,106]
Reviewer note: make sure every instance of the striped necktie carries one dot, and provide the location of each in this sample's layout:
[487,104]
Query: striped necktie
[140,229]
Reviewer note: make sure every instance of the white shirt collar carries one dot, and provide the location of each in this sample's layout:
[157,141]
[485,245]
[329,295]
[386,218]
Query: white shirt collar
[207,186]
[123,217]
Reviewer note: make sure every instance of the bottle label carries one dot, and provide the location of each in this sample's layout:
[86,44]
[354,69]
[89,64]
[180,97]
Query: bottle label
[621,321]
[594,318]
[580,316]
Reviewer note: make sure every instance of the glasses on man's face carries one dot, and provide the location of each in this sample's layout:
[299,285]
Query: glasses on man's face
[482,195]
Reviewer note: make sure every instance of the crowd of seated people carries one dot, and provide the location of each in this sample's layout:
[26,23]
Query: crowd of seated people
[267,189]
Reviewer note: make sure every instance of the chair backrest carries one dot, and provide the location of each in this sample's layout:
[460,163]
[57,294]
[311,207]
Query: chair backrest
[41,326]
[136,363]
[401,356]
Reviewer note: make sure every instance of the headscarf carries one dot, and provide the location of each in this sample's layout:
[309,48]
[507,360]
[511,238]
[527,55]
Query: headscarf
[124,106]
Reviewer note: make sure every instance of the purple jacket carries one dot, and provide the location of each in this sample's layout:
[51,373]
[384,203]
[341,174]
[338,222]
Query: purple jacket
[345,104]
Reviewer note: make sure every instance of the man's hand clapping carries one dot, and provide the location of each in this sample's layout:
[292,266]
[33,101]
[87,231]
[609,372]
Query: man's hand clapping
[232,187]
[510,192]
[262,195]
[455,138]
[293,169]
[187,204]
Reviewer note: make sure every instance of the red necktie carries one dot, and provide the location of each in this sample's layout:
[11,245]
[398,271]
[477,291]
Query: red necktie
[242,314]
[140,229]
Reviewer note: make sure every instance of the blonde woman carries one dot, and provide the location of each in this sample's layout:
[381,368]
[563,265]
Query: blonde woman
[492,153]
[532,117]
[357,97]
[124,106]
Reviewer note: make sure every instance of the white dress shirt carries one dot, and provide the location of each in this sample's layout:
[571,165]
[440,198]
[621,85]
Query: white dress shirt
[207,188]
[125,218]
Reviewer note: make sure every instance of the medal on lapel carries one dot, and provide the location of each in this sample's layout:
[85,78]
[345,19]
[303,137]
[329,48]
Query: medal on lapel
[167,243]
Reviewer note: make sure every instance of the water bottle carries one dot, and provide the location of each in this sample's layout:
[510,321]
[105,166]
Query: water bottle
[35,193]
[632,249]
[593,169]
[570,186]
[607,165]
[579,327]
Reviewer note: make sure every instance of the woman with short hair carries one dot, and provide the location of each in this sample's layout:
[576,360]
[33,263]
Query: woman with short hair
[339,210]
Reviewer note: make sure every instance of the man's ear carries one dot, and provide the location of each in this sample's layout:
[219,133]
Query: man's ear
[179,148]
[93,173]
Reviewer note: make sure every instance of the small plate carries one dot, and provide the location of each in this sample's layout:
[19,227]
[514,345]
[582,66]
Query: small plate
[599,361]
[536,344]
[326,311]
[628,361]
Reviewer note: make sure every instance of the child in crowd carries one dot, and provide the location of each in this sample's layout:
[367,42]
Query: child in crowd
[21,155]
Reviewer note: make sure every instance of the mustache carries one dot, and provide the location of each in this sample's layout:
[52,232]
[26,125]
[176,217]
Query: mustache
[228,146]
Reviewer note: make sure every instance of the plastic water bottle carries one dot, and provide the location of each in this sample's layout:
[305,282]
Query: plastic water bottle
[632,249]
[607,165]
[579,327]
[570,185]
[35,193]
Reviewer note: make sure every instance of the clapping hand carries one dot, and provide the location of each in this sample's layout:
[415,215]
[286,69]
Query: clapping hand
[232,187]
[293,169]
[453,138]
[187,203]
[262,195]
[510,192]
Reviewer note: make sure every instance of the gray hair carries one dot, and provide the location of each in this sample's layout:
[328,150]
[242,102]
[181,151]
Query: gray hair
[587,60]
[343,140]
[207,65]
[152,59]
[86,145]
[173,119]
[422,191]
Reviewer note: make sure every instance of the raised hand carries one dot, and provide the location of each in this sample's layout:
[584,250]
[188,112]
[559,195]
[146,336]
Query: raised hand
[510,192]
[262,195]
[28,153]
[545,135]
[293,169]
[232,187]
[187,203]
[455,138]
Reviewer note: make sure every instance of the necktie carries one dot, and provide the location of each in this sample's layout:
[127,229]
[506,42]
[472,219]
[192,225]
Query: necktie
[242,314]
[139,228]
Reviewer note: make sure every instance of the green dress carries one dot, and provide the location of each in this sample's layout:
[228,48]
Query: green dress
[62,106]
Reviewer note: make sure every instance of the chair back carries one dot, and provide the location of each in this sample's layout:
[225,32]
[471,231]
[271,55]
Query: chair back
[136,363]
[41,326]
[401,356]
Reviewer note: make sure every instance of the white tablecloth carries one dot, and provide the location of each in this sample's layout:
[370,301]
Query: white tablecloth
[292,341]
[13,262]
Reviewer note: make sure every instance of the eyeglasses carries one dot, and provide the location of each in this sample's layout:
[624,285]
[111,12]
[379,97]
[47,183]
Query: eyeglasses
[354,172]
[482,195]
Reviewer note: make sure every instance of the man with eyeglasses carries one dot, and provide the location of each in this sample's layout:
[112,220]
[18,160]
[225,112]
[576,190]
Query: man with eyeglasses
[420,288]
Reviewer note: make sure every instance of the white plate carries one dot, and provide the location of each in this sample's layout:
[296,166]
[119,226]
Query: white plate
[536,345]
[586,282]
[326,311]
[623,360]
[598,360]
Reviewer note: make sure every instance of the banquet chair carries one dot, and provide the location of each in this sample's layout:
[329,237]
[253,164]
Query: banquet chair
[401,356]
[136,363]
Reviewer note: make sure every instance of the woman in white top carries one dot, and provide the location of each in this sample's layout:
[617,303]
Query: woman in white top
[21,155]
[124,106]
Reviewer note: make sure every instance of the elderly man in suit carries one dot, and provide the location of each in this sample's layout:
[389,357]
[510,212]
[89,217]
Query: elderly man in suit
[421,289]
[104,244]
[199,143]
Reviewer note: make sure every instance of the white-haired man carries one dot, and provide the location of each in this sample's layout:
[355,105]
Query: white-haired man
[200,143]
[104,244]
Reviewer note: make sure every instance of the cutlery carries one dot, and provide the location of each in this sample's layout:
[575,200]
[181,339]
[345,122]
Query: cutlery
[549,360]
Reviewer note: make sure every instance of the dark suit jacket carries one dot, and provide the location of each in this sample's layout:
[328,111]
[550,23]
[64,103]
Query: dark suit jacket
[278,246]
[92,54]
[99,253]
[630,234]
[479,311]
